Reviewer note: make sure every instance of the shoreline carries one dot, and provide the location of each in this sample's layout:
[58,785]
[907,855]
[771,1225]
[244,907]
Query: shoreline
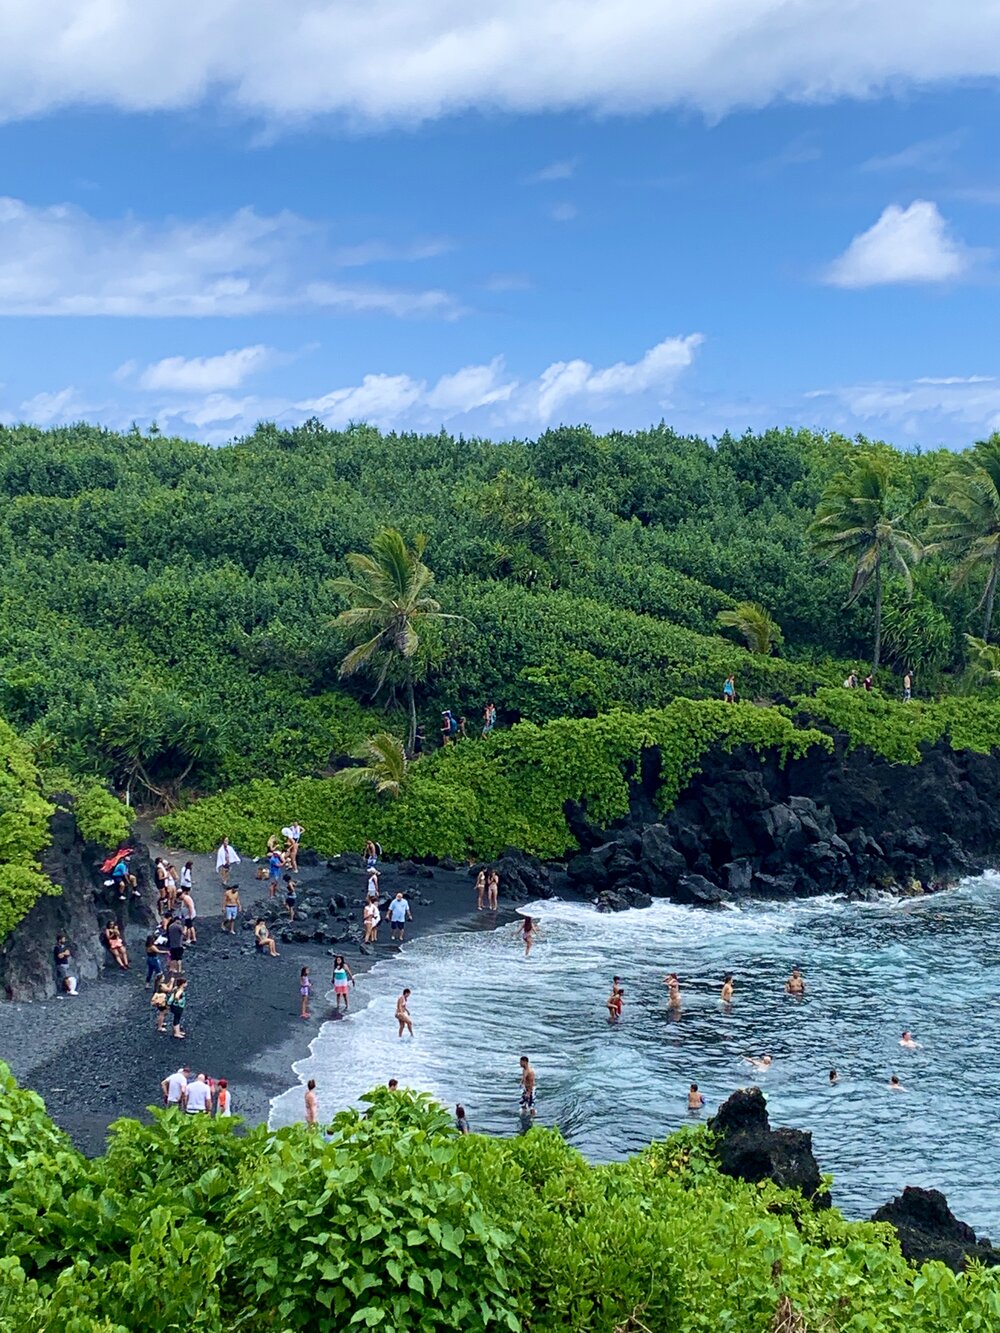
[96,1058]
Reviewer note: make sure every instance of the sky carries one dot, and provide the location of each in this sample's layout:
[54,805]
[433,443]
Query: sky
[725,214]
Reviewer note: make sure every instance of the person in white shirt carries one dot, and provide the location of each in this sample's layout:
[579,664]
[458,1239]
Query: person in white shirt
[199,1097]
[175,1087]
[225,858]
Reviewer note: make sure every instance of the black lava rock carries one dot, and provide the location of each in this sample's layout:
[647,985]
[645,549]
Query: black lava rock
[749,1149]
[928,1229]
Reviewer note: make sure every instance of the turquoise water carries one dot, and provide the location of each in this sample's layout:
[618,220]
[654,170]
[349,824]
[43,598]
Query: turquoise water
[871,969]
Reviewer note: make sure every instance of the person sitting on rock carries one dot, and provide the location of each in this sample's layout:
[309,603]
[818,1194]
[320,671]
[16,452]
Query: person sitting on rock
[111,938]
[263,942]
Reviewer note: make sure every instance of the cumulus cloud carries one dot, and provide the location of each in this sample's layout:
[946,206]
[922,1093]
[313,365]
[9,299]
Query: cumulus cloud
[392,59]
[482,396]
[56,408]
[905,245]
[926,408]
[206,374]
[564,212]
[60,260]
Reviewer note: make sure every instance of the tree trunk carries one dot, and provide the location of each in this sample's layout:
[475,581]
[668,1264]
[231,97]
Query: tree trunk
[876,655]
[413,714]
[991,588]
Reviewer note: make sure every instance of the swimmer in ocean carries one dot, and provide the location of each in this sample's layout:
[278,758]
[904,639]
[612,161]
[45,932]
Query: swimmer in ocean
[834,1077]
[615,1001]
[674,987]
[764,1063]
[795,985]
[908,1042]
[695,1100]
[726,994]
[895,1085]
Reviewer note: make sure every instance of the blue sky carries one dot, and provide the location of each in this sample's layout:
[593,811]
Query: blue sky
[725,215]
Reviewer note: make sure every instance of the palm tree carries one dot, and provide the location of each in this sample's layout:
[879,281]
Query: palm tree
[965,520]
[754,625]
[854,522]
[984,661]
[389,600]
[386,767]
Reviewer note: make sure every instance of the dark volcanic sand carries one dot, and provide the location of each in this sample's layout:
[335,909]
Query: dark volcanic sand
[98,1057]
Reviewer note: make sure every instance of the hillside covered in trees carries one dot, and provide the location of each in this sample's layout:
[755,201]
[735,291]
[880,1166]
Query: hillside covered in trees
[167,610]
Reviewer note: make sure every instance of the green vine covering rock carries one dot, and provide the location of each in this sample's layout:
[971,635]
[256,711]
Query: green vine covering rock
[896,730]
[24,831]
[475,798]
[394,1221]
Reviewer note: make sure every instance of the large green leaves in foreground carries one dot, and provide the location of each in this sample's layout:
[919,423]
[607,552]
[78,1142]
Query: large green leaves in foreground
[395,1222]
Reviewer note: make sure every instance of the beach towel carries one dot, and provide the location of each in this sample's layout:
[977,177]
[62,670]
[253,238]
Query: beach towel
[109,865]
[220,857]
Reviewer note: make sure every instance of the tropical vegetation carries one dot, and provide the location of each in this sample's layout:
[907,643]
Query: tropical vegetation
[394,1221]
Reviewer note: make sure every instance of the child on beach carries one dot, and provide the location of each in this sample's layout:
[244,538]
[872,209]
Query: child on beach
[305,990]
[342,976]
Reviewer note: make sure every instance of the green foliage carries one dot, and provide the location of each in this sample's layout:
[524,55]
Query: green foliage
[474,798]
[101,817]
[965,520]
[897,730]
[394,1221]
[24,831]
[754,625]
[386,767]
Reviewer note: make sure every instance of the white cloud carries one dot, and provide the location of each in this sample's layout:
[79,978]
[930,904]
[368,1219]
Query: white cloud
[934,154]
[469,388]
[60,260]
[381,252]
[555,171]
[905,245]
[304,58]
[381,399]
[564,212]
[927,408]
[54,409]
[206,374]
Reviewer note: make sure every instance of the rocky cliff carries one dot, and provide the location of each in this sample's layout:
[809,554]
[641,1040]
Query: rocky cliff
[847,822]
[81,909]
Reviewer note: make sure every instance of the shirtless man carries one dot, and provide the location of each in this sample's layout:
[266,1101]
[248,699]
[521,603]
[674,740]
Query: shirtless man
[527,1087]
[795,985]
[674,987]
[895,1085]
[726,994]
[764,1063]
[312,1103]
[615,1001]
[695,1100]
[908,1042]
[230,908]
[403,1013]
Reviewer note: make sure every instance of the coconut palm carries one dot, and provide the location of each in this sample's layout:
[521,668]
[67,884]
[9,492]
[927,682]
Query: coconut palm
[390,600]
[854,522]
[386,765]
[965,521]
[984,661]
[754,625]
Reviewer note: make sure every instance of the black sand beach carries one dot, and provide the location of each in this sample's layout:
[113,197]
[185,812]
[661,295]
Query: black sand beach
[98,1057]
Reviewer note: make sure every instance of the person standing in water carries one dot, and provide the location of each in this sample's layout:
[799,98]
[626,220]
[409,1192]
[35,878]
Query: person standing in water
[528,1085]
[403,1013]
[726,994]
[342,976]
[615,1001]
[305,991]
[695,1100]
[674,990]
[528,931]
[795,985]
[908,1042]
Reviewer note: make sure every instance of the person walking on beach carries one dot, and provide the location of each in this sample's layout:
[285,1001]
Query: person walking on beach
[291,896]
[399,914]
[62,956]
[275,862]
[225,859]
[160,1000]
[305,990]
[293,837]
[175,945]
[188,914]
[480,889]
[154,960]
[199,1097]
[170,886]
[312,1103]
[528,1084]
[223,1099]
[342,978]
[175,1088]
[371,918]
[230,908]
[178,1003]
[159,879]
[403,1013]
[492,890]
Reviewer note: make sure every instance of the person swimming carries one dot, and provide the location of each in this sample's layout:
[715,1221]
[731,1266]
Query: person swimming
[908,1042]
[764,1063]
[795,985]
[695,1100]
[895,1085]
[834,1077]
[726,994]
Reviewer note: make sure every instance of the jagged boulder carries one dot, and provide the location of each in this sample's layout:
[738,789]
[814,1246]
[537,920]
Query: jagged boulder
[928,1229]
[749,1149]
[662,864]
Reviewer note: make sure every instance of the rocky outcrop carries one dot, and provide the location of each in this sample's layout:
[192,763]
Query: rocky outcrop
[846,822]
[928,1229]
[749,1149]
[81,910]
[522,877]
